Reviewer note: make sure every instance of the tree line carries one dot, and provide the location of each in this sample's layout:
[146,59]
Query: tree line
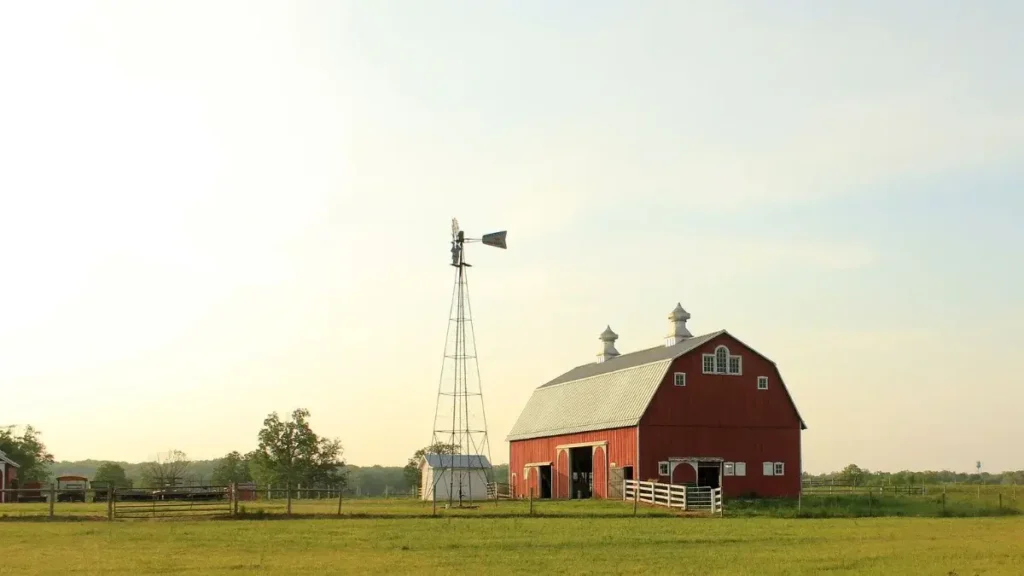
[288,452]
[854,475]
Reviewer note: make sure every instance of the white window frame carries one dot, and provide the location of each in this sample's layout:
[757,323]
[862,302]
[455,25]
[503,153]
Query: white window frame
[780,469]
[762,382]
[664,468]
[741,468]
[680,377]
[708,364]
[768,469]
[722,361]
[728,469]
[739,365]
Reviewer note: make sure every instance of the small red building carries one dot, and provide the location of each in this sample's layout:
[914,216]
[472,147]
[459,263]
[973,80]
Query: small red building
[8,477]
[701,410]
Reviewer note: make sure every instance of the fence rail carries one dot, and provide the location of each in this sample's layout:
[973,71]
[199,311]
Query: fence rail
[686,498]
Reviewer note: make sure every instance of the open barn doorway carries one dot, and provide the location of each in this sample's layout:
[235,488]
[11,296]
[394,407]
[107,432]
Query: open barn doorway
[709,474]
[545,481]
[581,462]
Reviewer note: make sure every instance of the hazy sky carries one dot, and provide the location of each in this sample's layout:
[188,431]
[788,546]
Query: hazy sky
[212,210]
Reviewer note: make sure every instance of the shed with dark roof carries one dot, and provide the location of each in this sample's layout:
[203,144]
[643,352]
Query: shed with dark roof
[704,410]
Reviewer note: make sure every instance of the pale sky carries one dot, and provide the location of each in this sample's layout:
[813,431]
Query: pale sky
[212,210]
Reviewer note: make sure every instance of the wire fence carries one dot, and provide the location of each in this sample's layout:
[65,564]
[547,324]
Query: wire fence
[248,501]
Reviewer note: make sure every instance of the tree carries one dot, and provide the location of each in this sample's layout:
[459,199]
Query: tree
[29,452]
[167,471]
[113,474]
[852,474]
[412,472]
[233,468]
[290,453]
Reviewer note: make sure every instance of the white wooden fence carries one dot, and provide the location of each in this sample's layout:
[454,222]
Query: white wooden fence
[685,498]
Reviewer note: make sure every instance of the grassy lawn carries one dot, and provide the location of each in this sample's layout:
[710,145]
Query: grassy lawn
[504,545]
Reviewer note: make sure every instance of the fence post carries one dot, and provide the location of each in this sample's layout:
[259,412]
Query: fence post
[339,502]
[670,498]
[53,497]
[1000,501]
[234,499]
[636,497]
[531,500]
[799,498]
[943,502]
[110,502]
[288,488]
[270,495]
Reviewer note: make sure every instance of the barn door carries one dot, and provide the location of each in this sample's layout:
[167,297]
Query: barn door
[600,469]
[615,478]
[562,475]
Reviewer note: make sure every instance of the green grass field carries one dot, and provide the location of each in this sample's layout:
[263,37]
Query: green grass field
[400,536]
[496,545]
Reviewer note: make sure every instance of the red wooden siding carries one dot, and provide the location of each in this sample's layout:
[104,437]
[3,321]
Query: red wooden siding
[622,446]
[727,417]
[752,446]
[720,399]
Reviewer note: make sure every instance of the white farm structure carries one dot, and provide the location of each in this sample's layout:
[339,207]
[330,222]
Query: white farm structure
[464,476]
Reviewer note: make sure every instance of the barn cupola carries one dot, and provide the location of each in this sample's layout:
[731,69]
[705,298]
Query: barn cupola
[608,350]
[677,322]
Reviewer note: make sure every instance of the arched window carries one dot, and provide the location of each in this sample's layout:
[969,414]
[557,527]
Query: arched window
[722,360]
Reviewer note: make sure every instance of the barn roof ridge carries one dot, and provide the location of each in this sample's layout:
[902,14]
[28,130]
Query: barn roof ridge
[632,359]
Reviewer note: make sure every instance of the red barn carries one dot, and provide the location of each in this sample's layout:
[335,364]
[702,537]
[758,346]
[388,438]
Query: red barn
[706,410]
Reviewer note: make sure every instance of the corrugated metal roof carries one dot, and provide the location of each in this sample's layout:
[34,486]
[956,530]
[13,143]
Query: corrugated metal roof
[606,400]
[634,359]
[462,461]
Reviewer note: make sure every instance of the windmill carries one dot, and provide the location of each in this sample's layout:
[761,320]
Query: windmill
[460,423]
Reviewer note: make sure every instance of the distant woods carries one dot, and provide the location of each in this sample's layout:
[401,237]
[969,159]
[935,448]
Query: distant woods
[854,475]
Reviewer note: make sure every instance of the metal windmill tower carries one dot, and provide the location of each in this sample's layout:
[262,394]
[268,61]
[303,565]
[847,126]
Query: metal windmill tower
[460,423]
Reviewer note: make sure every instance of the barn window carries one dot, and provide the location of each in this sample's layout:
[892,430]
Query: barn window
[680,378]
[768,468]
[762,382]
[735,366]
[728,469]
[709,363]
[662,468]
[780,468]
[741,468]
[721,360]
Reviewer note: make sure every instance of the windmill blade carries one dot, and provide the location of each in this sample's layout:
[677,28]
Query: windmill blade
[496,239]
